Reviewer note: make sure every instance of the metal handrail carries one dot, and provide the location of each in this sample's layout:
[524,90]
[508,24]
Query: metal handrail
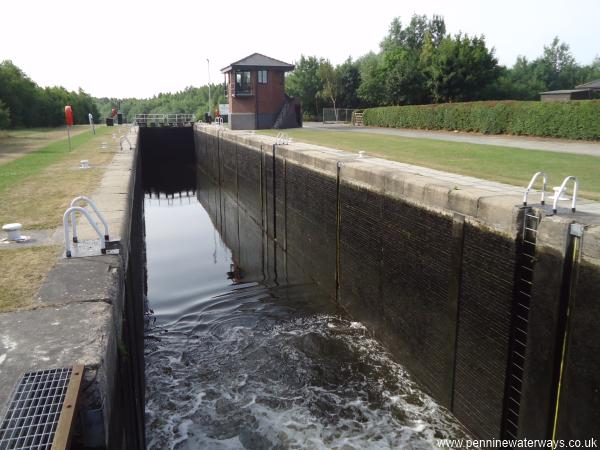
[563,187]
[282,139]
[84,211]
[89,201]
[545,181]
[124,138]
[163,118]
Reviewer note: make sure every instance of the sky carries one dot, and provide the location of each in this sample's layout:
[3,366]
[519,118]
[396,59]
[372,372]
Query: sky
[140,48]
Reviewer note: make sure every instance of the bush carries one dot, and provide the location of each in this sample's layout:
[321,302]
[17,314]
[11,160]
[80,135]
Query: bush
[576,119]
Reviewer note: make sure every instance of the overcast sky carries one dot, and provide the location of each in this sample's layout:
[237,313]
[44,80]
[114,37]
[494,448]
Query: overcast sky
[140,48]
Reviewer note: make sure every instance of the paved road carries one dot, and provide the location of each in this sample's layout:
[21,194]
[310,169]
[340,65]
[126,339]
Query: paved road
[522,142]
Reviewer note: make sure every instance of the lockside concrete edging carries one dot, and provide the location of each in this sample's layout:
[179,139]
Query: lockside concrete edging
[79,317]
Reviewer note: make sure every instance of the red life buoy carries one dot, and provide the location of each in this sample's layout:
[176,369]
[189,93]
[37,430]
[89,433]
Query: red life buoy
[69,115]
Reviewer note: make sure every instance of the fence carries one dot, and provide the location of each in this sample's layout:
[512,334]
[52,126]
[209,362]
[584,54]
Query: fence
[337,115]
[163,119]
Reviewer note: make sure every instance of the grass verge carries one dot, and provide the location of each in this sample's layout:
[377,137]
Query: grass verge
[16,143]
[504,164]
[39,186]
[22,272]
[31,163]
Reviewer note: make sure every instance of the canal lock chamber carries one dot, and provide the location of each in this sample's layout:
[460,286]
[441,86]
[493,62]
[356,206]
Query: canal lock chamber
[282,297]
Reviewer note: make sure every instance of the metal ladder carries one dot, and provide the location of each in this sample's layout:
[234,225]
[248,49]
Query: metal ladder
[520,322]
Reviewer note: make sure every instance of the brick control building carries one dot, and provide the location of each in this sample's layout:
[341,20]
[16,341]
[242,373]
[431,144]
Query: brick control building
[256,94]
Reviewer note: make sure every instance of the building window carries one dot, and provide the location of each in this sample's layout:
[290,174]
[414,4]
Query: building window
[243,83]
[262,76]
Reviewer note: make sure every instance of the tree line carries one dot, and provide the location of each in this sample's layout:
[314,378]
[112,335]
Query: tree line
[192,100]
[25,104]
[421,64]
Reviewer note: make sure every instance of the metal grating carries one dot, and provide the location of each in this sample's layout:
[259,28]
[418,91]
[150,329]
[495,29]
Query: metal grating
[34,410]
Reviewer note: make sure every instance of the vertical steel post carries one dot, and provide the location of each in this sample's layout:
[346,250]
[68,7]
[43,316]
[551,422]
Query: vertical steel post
[91,119]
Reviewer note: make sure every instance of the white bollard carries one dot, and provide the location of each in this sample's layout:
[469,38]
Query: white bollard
[13,230]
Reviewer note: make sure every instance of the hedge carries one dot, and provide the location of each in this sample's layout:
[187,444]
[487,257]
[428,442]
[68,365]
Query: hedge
[577,119]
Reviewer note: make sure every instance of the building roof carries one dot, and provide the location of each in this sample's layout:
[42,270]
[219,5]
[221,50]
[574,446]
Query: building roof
[257,61]
[563,91]
[595,84]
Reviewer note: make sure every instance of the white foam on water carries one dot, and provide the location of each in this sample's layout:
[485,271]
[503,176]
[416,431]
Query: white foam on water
[279,387]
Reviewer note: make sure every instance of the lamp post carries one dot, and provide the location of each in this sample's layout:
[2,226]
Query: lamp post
[208,68]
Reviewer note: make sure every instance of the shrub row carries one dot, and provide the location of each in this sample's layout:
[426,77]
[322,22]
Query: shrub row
[578,119]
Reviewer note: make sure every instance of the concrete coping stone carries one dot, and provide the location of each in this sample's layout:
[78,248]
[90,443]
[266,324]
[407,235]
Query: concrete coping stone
[492,204]
[52,337]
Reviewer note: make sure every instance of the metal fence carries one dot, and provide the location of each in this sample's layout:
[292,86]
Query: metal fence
[337,115]
[163,119]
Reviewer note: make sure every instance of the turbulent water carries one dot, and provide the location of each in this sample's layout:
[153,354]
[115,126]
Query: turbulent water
[264,364]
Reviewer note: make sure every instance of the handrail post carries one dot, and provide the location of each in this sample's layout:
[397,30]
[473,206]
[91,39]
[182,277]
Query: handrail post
[66,217]
[544,179]
[90,202]
[125,138]
[563,187]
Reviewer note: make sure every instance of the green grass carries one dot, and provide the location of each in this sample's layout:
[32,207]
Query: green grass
[22,272]
[32,163]
[504,164]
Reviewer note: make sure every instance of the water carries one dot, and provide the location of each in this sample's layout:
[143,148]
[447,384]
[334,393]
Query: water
[241,360]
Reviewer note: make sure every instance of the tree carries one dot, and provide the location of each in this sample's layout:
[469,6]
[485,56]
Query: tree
[371,91]
[404,78]
[332,82]
[350,82]
[413,36]
[557,68]
[4,116]
[305,83]
[407,55]
[30,105]
[18,92]
[462,69]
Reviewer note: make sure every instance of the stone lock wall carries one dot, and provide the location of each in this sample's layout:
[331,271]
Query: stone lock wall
[430,270]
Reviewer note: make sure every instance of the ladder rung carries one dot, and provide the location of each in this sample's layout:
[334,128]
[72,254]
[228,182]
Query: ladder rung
[524,319]
[515,413]
[520,356]
[521,343]
[511,434]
